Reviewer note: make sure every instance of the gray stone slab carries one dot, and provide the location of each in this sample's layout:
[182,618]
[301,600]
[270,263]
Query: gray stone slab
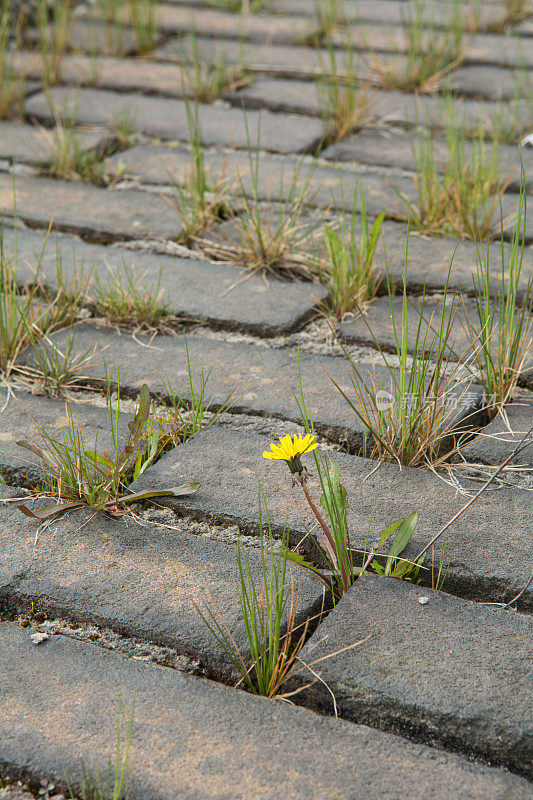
[508,50]
[396,148]
[429,258]
[101,214]
[327,187]
[481,48]
[18,419]
[476,699]
[90,36]
[393,12]
[492,83]
[489,546]
[168,119]
[264,380]
[377,315]
[386,106]
[205,740]
[212,22]
[28,143]
[189,288]
[108,72]
[138,580]
[496,441]
[287,60]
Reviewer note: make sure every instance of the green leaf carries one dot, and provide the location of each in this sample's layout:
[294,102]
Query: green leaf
[388,531]
[334,499]
[46,513]
[33,448]
[142,413]
[176,491]
[401,540]
[99,459]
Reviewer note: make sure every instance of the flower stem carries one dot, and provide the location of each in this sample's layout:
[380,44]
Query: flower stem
[327,531]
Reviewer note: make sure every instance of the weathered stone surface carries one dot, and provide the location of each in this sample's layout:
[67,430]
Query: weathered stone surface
[205,740]
[377,316]
[386,106]
[496,442]
[108,72]
[264,380]
[489,545]
[101,214]
[138,580]
[20,142]
[507,216]
[288,60]
[493,83]
[188,288]
[168,119]
[483,48]
[393,12]
[477,698]
[90,36]
[506,50]
[212,22]
[18,419]
[429,259]
[324,187]
[396,148]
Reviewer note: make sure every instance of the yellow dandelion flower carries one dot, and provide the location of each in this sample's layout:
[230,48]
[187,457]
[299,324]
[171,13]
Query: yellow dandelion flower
[291,449]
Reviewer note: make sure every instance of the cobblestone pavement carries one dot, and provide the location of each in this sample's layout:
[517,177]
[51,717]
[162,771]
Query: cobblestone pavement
[181,185]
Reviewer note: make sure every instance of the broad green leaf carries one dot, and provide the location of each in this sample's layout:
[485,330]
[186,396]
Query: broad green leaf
[99,459]
[48,512]
[388,531]
[33,448]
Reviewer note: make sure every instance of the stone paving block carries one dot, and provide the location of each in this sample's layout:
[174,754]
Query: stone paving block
[476,699]
[101,214]
[426,265]
[429,259]
[392,12]
[524,28]
[20,142]
[138,580]
[489,545]
[189,288]
[123,74]
[505,50]
[482,48]
[497,441]
[90,36]
[506,218]
[18,419]
[396,148]
[387,106]
[493,83]
[327,187]
[287,60]
[168,119]
[217,23]
[263,379]
[205,740]
[378,317]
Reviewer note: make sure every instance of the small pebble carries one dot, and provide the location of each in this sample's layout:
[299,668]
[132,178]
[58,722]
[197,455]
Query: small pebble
[37,638]
[423,600]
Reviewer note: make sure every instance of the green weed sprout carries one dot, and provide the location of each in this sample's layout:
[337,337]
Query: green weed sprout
[80,477]
[349,272]
[500,329]
[269,613]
